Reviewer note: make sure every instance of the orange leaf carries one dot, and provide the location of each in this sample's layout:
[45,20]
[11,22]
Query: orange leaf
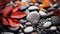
[44,4]
[18,15]
[34,1]
[22,3]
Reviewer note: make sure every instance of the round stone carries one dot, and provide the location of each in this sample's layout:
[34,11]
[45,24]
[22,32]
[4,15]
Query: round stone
[53,28]
[28,23]
[47,24]
[42,13]
[22,21]
[33,16]
[55,20]
[28,29]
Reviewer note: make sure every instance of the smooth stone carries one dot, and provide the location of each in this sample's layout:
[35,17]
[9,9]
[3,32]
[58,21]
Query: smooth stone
[42,13]
[33,7]
[14,29]
[28,23]
[22,21]
[47,24]
[7,33]
[33,16]
[28,29]
[53,28]
[27,11]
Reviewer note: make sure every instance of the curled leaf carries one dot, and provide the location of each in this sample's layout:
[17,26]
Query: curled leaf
[44,4]
[2,2]
[7,10]
[18,15]
[15,9]
[0,11]
[13,22]
[5,22]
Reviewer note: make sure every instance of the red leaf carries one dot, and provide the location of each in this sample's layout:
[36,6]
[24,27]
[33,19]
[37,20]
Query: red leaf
[0,11]
[57,13]
[5,22]
[2,2]
[15,9]
[13,22]
[18,15]
[7,10]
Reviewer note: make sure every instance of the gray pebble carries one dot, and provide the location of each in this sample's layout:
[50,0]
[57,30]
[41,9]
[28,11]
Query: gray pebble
[14,29]
[7,33]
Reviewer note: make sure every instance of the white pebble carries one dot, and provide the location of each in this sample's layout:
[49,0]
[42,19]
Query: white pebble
[28,23]
[28,29]
[22,21]
[47,24]
[49,18]
[27,11]
[33,7]
[53,28]
[42,13]
[21,33]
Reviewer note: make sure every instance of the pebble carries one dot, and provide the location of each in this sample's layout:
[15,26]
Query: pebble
[7,33]
[28,23]
[53,28]
[23,21]
[21,33]
[42,13]
[27,11]
[33,7]
[14,29]
[28,29]
[47,24]
[33,16]
[55,20]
